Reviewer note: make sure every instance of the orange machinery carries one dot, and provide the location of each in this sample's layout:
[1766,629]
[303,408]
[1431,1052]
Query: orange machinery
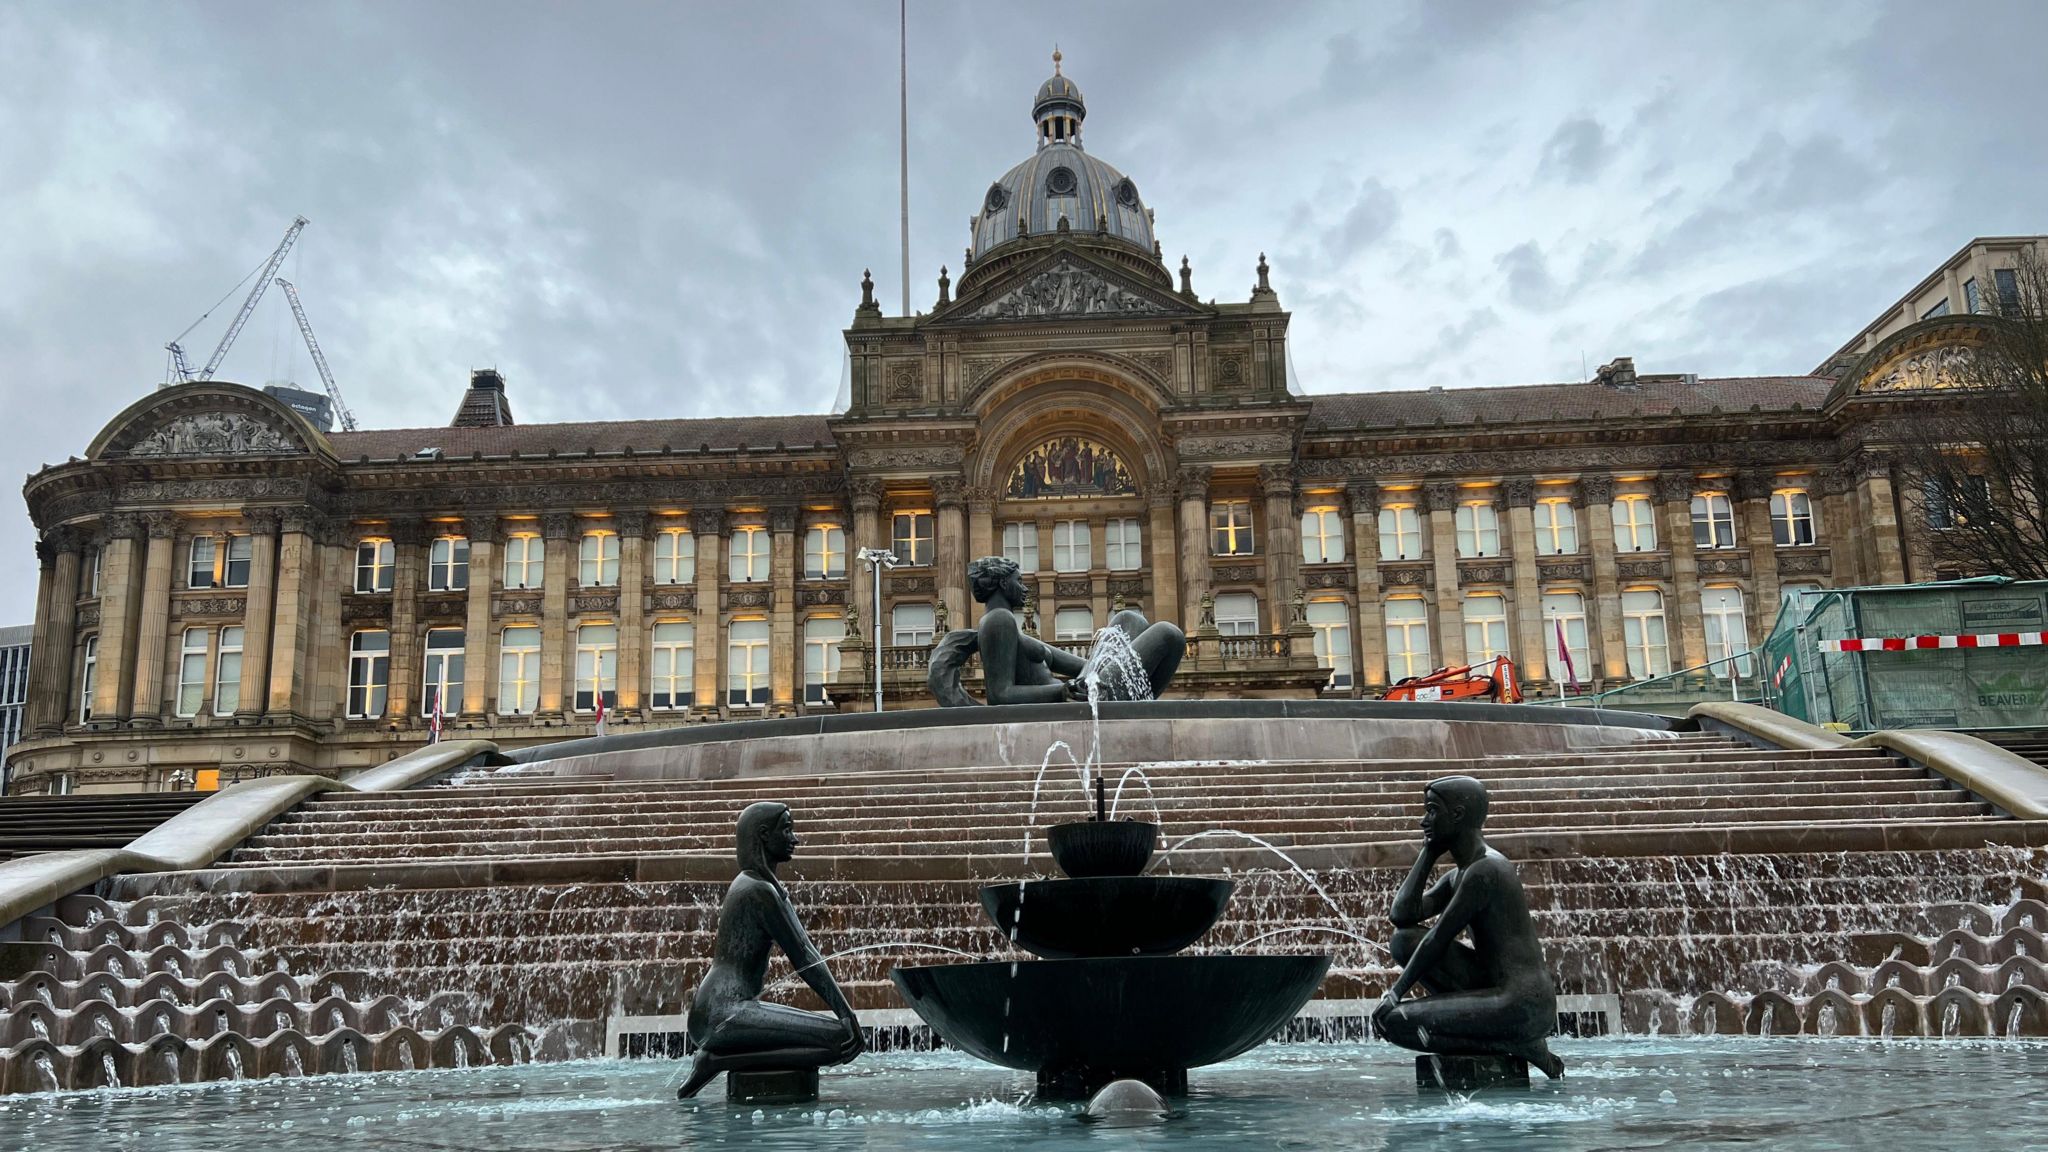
[1489,680]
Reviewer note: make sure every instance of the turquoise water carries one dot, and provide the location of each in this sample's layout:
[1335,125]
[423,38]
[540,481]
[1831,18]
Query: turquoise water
[1617,1094]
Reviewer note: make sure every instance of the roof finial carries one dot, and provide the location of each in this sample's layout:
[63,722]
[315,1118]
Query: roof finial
[1055,59]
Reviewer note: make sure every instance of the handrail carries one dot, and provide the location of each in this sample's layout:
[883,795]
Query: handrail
[1734,681]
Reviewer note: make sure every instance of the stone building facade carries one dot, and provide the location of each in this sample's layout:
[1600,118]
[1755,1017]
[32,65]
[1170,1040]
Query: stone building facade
[227,591]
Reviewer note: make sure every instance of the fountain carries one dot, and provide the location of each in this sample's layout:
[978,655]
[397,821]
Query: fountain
[1109,999]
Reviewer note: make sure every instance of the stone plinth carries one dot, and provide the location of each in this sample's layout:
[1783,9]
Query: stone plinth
[1470,1073]
[791,1086]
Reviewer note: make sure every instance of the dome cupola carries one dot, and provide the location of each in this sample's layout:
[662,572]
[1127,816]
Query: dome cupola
[1059,109]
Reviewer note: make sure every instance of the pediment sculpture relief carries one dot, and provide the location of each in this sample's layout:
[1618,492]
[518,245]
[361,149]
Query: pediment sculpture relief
[1066,289]
[214,434]
[1946,367]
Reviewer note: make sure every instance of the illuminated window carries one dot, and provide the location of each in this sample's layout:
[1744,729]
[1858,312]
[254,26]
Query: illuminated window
[369,673]
[746,659]
[192,671]
[199,571]
[1557,528]
[1642,633]
[1230,528]
[1400,532]
[912,538]
[519,670]
[448,564]
[1566,612]
[525,556]
[1727,629]
[1792,521]
[1478,526]
[227,672]
[600,560]
[825,552]
[1331,620]
[822,635]
[88,676]
[597,666]
[441,676]
[748,562]
[1070,546]
[1486,626]
[1713,521]
[675,556]
[1407,638]
[1322,536]
[1635,524]
[675,667]
[374,566]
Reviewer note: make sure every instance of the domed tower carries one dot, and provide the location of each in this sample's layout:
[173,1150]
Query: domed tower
[1061,187]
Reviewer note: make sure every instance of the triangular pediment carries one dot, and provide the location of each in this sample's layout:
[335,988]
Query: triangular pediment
[1064,285]
[205,419]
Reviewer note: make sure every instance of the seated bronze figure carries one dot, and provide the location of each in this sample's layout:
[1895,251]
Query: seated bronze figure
[1018,668]
[1492,997]
[732,1029]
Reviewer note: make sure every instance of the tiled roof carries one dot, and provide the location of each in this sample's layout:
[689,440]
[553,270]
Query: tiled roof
[1652,396]
[649,436]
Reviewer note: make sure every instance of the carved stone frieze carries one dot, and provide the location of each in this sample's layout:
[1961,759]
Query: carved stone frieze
[1326,577]
[209,605]
[1518,491]
[866,492]
[514,604]
[948,491]
[557,525]
[214,434]
[238,489]
[906,381]
[1367,461]
[980,368]
[1227,371]
[1723,564]
[675,599]
[1805,562]
[1950,366]
[783,518]
[706,522]
[1276,479]
[1066,288]
[906,458]
[88,617]
[1405,576]
[1442,495]
[1072,589]
[1595,490]
[1238,573]
[444,606]
[593,494]
[820,597]
[1194,482]
[1563,570]
[1126,586]
[358,609]
[1484,571]
[980,497]
[910,585]
[1649,568]
[747,598]
[1159,364]
[1754,485]
[1237,446]
[594,602]
[632,522]
[1676,486]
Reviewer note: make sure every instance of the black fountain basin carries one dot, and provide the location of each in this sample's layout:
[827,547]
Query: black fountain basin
[1106,915]
[1082,1023]
[1102,847]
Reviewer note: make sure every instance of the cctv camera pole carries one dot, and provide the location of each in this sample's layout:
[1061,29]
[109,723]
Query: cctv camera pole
[878,558]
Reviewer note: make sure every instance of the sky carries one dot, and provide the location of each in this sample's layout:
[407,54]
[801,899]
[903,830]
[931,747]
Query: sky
[664,209]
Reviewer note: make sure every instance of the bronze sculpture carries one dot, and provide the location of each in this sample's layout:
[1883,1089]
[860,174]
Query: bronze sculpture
[1492,997]
[1018,668]
[732,1029]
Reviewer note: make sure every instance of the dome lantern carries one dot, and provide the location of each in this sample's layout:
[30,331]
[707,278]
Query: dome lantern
[1059,110]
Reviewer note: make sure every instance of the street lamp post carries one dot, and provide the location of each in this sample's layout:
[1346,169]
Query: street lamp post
[878,558]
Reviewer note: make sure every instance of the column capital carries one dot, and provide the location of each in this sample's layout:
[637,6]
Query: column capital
[1159,496]
[121,526]
[948,491]
[707,521]
[1754,485]
[1838,480]
[1364,498]
[1676,486]
[783,519]
[1193,481]
[261,521]
[480,526]
[866,492]
[161,525]
[299,521]
[630,523]
[1442,495]
[1276,479]
[1518,491]
[557,525]
[63,538]
[1596,489]
[981,499]
[405,531]
[1871,466]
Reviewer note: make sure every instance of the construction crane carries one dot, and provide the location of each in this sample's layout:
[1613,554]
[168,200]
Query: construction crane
[341,412]
[181,370]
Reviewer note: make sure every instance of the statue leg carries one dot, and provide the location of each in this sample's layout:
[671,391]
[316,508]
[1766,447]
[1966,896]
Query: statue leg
[1459,970]
[1159,648]
[767,1036]
[1487,1022]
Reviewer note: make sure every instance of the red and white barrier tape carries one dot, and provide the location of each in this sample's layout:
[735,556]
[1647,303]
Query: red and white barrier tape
[1909,643]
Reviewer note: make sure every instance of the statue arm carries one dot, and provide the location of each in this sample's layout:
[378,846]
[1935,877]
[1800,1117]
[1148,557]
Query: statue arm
[1419,900]
[803,955]
[1474,892]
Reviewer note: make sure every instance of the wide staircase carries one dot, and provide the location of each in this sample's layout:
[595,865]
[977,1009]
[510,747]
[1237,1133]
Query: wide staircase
[1694,884]
[32,824]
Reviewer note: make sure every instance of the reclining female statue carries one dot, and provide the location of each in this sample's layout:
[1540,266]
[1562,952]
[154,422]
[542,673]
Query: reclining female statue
[730,1026]
[1018,668]
[1492,997]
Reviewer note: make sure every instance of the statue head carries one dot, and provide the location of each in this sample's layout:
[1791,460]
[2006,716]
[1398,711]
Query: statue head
[767,836]
[1452,806]
[992,574]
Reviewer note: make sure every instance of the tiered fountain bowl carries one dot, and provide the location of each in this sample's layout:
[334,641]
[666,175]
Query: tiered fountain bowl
[1109,999]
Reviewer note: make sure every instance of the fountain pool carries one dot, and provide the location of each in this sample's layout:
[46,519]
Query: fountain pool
[1630,1093]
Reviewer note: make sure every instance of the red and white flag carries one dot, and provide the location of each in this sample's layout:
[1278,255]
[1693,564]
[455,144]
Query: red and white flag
[434,728]
[600,713]
[1564,656]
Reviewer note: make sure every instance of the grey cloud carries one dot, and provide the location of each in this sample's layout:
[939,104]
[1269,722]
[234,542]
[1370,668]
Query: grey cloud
[1369,218]
[1530,284]
[1577,151]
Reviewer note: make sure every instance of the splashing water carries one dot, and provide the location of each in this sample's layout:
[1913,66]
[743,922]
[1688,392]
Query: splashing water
[1304,873]
[47,1071]
[405,1060]
[1888,1020]
[1826,1023]
[1373,944]
[335,1020]
[108,1072]
[42,1029]
[1763,1027]
[170,1062]
[1951,1020]
[282,1019]
[293,1066]
[795,976]
[2012,1018]
[234,1059]
[1116,798]
[461,1053]
[348,1059]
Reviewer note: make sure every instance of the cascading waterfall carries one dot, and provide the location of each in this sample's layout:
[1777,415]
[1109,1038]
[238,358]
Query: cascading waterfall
[1888,1019]
[46,1071]
[2012,1019]
[1951,1020]
[111,1074]
[293,1066]
[1825,1023]
[234,1062]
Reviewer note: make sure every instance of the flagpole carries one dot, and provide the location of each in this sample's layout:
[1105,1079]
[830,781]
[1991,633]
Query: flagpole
[903,132]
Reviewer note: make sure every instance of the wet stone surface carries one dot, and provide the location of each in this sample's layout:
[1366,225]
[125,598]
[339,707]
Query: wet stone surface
[1634,1093]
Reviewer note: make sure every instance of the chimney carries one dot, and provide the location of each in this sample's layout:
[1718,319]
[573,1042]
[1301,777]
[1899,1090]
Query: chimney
[1619,372]
[484,405]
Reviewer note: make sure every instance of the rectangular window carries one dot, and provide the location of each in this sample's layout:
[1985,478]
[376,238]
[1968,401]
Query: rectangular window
[1713,521]
[1237,614]
[448,564]
[1727,630]
[1230,528]
[1070,546]
[88,677]
[1322,536]
[822,635]
[92,578]
[825,552]
[749,548]
[1950,505]
[1020,543]
[1791,518]
[374,566]
[675,665]
[236,571]
[442,679]
[746,655]
[600,560]
[597,666]
[1400,532]
[1940,308]
[1642,632]
[1331,620]
[191,671]
[1073,624]
[519,670]
[525,560]
[1973,297]
[912,540]
[675,556]
[1557,528]
[1123,547]
[227,672]
[199,571]
[1478,526]
[910,625]
[369,673]
[1407,638]
[1635,524]
[1566,612]
[2007,283]
[1486,626]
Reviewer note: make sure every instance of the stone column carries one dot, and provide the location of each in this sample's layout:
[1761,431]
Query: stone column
[557,531]
[292,624]
[1194,543]
[120,572]
[1160,544]
[1369,627]
[1755,490]
[866,532]
[1837,519]
[153,622]
[981,541]
[1685,627]
[1283,540]
[323,642]
[1603,612]
[1885,558]
[1532,654]
[1442,497]
[257,612]
[950,580]
[50,650]
[708,526]
[783,643]
[408,556]
[479,639]
[633,636]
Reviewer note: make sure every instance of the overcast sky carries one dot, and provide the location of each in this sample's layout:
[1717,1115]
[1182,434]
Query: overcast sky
[664,209]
